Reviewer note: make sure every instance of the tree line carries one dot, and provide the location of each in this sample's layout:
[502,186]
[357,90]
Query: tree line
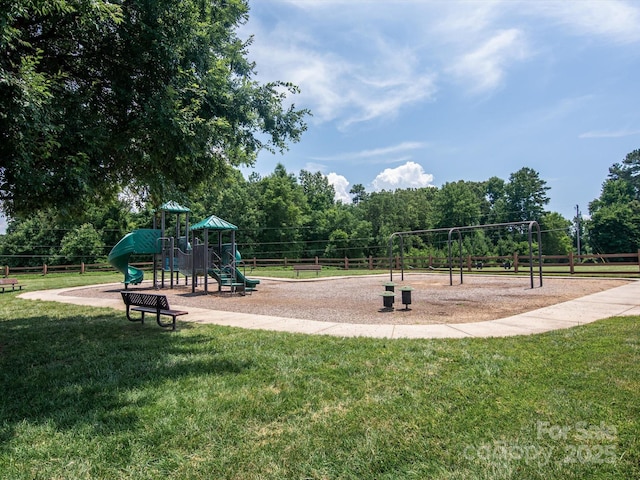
[296,216]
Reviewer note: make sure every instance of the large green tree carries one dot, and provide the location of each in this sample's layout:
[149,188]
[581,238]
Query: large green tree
[495,200]
[32,241]
[319,192]
[457,204]
[154,95]
[282,205]
[628,171]
[82,244]
[555,234]
[614,226]
[320,202]
[525,196]
[387,212]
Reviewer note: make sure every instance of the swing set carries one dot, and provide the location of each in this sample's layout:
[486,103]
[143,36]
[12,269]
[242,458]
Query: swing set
[458,230]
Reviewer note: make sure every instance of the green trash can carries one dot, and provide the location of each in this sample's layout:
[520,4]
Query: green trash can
[406,297]
[387,301]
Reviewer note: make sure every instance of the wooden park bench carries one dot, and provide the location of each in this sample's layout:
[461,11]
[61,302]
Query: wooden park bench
[150,303]
[5,282]
[309,267]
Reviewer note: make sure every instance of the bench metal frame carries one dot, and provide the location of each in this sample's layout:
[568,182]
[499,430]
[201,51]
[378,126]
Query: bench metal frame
[150,303]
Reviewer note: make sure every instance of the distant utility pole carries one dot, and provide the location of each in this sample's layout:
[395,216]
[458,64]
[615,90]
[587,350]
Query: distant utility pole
[578,228]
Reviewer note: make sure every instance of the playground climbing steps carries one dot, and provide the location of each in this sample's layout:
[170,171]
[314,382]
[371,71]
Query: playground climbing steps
[226,279]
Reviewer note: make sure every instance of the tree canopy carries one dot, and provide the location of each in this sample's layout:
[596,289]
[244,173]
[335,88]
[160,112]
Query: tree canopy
[526,196]
[155,96]
[615,216]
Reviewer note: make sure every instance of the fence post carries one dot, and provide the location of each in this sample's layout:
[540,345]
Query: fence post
[81,268]
[285,261]
[571,264]
[6,270]
[370,262]
[468,263]
[346,263]
[316,260]
[515,262]
[44,269]
[638,262]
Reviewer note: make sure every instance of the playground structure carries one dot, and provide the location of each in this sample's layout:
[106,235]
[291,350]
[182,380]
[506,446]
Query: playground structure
[174,255]
[222,261]
[450,231]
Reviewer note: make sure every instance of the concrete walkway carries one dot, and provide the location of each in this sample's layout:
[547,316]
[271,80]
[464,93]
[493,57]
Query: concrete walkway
[624,300]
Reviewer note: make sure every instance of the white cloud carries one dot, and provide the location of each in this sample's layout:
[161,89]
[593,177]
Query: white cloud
[615,20]
[383,100]
[317,74]
[314,167]
[340,184]
[376,152]
[396,53]
[610,134]
[612,19]
[452,22]
[484,68]
[349,86]
[409,175]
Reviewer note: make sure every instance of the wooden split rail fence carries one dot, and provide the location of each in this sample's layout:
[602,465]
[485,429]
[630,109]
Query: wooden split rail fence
[601,264]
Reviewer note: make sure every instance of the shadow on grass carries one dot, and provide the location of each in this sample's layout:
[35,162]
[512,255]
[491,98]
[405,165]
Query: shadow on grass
[96,370]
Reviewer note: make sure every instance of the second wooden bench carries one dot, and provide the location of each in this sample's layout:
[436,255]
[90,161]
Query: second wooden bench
[6,282]
[311,267]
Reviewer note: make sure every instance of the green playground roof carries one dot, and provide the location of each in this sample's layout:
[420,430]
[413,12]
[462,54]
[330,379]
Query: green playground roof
[213,223]
[173,207]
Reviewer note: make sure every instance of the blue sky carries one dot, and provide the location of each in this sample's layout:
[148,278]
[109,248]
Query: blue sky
[415,93]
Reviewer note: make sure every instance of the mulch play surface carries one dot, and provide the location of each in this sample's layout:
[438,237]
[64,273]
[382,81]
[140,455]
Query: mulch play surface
[358,299]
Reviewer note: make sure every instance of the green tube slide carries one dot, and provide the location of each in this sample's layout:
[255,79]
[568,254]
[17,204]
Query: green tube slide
[144,241]
[249,282]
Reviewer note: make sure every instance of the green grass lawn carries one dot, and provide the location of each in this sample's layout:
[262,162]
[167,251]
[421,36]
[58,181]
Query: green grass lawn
[87,395]
[65,280]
